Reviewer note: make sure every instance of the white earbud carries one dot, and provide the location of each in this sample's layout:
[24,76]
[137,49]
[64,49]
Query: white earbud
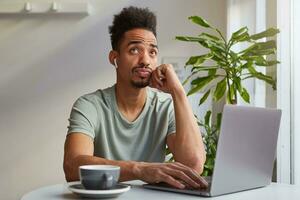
[115,62]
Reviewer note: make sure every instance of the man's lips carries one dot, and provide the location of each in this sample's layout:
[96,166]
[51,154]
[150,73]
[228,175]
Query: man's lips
[143,72]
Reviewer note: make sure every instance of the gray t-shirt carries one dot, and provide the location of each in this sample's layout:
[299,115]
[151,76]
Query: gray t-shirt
[96,115]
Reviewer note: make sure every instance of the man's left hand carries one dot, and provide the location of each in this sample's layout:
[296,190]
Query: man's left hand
[165,79]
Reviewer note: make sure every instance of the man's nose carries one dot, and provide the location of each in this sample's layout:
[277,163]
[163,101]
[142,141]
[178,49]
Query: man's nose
[145,59]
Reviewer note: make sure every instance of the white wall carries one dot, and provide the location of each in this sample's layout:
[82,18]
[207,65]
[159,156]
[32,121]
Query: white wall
[295,125]
[284,97]
[48,62]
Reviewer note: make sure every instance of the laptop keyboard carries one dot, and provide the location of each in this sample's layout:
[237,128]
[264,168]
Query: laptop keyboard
[166,185]
[186,188]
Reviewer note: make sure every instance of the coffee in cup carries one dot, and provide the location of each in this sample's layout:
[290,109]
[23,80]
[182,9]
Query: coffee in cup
[99,177]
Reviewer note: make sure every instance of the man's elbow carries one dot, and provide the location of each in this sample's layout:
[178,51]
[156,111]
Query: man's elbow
[69,172]
[198,164]
[198,167]
[70,178]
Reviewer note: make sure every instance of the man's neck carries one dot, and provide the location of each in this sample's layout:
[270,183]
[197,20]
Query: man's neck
[130,100]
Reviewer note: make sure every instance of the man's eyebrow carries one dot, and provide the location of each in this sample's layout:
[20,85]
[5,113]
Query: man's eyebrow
[139,42]
[154,46]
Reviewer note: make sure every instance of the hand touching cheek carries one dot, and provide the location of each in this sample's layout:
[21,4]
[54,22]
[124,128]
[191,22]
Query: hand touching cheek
[165,79]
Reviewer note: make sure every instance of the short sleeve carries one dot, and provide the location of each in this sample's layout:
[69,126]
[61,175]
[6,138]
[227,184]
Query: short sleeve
[172,121]
[83,117]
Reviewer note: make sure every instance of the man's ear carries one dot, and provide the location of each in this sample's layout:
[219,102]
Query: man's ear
[112,56]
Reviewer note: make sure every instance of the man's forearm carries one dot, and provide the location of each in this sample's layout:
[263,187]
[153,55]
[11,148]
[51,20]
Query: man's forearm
[170,173]
[72,173]
[188,145]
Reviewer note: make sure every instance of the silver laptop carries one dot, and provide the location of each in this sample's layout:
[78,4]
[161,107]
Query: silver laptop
[245,153]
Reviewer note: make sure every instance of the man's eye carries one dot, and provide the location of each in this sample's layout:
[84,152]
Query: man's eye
[153,53]
[134,50]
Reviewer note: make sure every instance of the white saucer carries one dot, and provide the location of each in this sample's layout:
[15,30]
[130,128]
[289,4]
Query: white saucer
[78,189]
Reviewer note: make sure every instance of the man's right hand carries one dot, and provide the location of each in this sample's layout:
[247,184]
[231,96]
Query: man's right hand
[173,173]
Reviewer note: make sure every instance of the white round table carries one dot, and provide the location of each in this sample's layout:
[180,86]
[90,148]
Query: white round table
[137,192]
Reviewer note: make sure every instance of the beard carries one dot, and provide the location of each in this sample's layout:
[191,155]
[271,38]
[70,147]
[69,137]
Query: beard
[143,81]
[140,83]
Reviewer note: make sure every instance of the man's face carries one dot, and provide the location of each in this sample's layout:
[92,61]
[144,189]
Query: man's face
[137,57]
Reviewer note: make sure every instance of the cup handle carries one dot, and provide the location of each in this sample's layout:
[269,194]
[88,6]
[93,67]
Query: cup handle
[108,180]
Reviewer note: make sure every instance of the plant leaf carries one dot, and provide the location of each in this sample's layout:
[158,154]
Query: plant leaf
[200,80]
[198,60]
[200,83]
[271,44]
[261,76]
[171,159]
[212,72]
[211,37]
[204,68]
[220,90]
[209,164]
[167,150]
[267,63]
[207,118]
[188,39]
[267,33]
[240,35]
[247,49]
[234,56]
[188,78]
[240,32]
[259,47]
[237,82]
[261,61]
[205,172]
[219,55]
[198,20]
[230,94]
[259,52]
[242,38]
[245,95]
[248,64]
[204,43]
[204,97]
[219,120]
[213,45]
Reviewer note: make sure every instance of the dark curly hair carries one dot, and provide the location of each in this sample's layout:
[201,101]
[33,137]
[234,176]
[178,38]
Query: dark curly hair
[130,18]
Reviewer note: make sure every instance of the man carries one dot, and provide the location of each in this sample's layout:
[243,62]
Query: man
[129,124]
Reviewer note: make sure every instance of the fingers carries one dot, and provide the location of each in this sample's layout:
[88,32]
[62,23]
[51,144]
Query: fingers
[165,79]
[157,78]
[191,173]
[160,73]
[174,174]
[155,173]
[171,181]
[180,175]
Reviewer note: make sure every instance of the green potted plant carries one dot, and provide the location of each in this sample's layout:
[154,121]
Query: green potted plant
[225,69]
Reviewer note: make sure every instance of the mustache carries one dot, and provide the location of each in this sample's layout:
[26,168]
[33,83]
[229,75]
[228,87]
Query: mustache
[142,66]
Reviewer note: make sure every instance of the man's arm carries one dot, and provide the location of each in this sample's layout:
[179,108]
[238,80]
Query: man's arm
[79,150]
[186,144]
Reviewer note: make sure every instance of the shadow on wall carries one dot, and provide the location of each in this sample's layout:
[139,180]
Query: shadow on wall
[43,60]
[54,63]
